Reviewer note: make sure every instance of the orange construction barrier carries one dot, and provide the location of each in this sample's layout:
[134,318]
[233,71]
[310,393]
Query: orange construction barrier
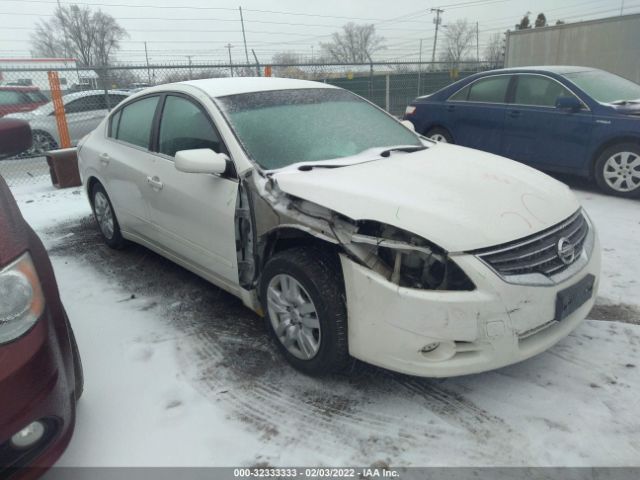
[61,119]
[267,70]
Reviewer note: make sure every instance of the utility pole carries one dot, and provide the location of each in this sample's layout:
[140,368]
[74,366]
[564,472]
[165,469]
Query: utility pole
[419,66]
[478,44]
[146,55]
[190,72]
[228,46]
[437,21]
[311,53]
[244,37]
[621,7]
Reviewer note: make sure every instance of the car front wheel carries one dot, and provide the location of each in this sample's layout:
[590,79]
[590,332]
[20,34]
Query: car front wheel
[106,217]
[305,310]
[617,170]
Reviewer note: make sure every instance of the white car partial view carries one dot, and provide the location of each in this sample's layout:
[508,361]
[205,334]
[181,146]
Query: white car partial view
[83,110]
[353,236]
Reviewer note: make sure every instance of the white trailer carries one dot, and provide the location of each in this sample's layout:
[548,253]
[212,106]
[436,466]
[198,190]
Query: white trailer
[611,44]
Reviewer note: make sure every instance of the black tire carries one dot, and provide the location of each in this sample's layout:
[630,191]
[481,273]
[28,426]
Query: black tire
[317,270]
[602,166]
[78,372]
[442,132]
[112,238]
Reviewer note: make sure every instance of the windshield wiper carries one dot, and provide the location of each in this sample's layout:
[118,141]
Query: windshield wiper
[387,153]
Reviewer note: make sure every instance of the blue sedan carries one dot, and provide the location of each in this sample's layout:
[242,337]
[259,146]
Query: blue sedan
[573,120]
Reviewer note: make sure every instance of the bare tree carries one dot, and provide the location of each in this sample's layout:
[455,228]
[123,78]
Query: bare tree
[92,37]
[288,68]
[541,20]
[355,44]
[458,39]
[494,52]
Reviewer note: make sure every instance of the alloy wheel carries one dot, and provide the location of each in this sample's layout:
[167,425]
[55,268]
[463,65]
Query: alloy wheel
[104,215]
[621,171]
[438,137]
[293,316]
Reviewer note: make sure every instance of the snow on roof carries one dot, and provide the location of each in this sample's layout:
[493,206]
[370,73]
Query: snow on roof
[220,87]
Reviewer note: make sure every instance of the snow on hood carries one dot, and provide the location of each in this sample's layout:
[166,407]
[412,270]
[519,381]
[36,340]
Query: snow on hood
[458,198]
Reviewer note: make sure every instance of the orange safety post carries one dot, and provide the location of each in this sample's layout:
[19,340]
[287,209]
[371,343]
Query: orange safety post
[267,70]
[61,118]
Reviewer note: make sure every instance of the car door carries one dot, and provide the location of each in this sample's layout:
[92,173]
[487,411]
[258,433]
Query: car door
[84,114]
[477,113]
[193,213]
[124,162]
[538,133]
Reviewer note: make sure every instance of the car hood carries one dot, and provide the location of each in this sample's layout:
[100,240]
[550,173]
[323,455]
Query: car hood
[23,115]
[458,198]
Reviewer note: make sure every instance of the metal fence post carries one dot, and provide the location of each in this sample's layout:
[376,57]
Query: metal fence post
[386,92]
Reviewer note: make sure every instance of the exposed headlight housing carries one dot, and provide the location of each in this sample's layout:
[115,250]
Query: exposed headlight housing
[21,298]
[410,261]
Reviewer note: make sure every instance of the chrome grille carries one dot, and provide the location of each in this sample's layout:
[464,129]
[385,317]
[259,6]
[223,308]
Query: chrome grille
[538,253]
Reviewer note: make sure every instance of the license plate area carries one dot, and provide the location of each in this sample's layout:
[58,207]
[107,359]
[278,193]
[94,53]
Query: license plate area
[573,297]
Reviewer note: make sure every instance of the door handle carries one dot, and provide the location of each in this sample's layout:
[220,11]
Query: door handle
[105,159]
[514,113]
[451,108]
[155,183]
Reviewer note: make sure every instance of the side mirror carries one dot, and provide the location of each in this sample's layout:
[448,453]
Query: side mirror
[571,104]
[201,160]
[409,125]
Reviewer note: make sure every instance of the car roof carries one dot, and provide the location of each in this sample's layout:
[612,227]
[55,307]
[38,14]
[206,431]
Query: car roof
[221,87]
[557,69]
[67,97]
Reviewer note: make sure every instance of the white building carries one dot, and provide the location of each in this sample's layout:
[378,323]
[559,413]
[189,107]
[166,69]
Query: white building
[33,72]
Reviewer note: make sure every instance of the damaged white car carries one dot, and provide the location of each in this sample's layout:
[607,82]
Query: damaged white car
[351,234]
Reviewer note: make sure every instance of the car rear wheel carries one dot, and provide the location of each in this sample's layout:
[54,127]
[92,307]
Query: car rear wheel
[106,217]
[305,310]
[617,170]
[439,135]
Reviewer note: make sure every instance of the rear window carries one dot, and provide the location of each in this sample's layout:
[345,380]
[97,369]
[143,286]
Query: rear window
[8,97]
[135,122]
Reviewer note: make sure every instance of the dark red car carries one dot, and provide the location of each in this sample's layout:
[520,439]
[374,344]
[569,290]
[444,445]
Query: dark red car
[40,368]
[15,99]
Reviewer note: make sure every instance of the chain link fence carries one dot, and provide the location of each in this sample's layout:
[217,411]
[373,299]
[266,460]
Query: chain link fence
[88,94]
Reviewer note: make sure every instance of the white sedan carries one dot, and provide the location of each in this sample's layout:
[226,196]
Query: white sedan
[83,111]
[349,233]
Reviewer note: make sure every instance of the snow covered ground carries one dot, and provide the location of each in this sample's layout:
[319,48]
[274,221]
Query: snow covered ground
[179,373]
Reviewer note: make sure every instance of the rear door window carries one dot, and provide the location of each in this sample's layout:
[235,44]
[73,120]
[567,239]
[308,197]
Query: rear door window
[86,104]
[136,120]
[490,90]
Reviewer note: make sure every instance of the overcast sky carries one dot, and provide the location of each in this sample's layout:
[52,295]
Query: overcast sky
[202,28]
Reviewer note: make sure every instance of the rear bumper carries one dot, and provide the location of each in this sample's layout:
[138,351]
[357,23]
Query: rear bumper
[36,384]
[497,324]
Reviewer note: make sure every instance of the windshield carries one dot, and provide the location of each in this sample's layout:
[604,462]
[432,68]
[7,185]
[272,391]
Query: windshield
[605,87]
[283,127]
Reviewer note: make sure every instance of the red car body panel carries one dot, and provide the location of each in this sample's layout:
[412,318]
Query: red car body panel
[23,99]
[37,370]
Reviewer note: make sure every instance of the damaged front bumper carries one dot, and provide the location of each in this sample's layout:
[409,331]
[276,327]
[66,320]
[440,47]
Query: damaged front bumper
[437,333]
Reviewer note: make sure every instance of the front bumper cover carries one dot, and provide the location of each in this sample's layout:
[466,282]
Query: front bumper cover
[495,325]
